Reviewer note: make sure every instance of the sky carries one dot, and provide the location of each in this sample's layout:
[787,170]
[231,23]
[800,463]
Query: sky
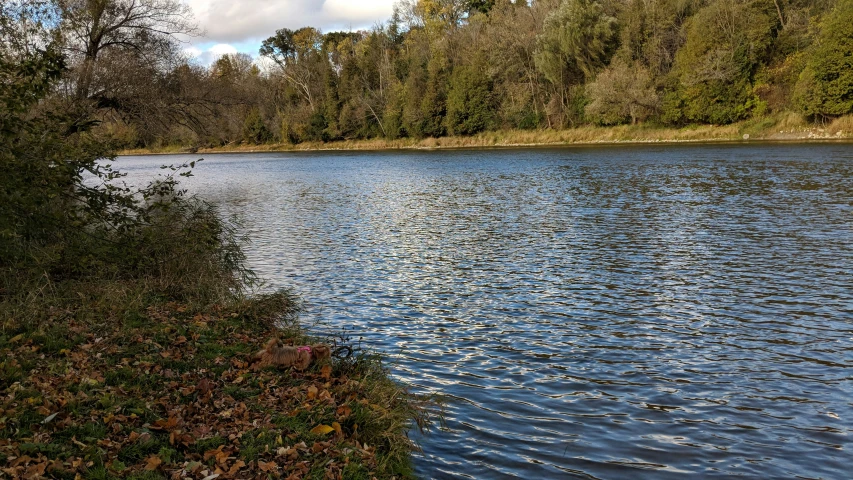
[233,26]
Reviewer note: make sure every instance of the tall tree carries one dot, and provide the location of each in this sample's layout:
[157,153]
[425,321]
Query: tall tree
[510,43]
[27,26]
[577,40]
[726,41]
[825,87]
[470,100]
[298,56]
[147,28]
[623,91]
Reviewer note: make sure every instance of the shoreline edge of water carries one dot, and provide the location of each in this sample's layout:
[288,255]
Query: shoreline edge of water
[839,131]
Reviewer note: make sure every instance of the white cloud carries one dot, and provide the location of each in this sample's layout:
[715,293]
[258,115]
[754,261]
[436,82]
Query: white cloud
[362,13]
[222,49]
[193,51]
[208,56]
[236,21]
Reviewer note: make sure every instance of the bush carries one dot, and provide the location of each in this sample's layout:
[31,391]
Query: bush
[66,218]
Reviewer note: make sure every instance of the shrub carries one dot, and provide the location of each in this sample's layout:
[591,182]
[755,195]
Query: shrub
[66,217]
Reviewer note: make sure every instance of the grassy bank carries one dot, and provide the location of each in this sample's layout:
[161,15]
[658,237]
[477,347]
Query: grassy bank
[116,380]
[782,127]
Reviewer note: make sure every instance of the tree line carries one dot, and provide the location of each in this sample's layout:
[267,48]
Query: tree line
[458,67]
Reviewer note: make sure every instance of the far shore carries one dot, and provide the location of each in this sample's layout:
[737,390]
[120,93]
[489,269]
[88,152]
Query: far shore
[782,129]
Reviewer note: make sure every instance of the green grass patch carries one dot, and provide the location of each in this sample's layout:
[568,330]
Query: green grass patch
[149,444]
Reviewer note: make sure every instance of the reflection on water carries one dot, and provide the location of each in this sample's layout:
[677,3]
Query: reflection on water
[590,312]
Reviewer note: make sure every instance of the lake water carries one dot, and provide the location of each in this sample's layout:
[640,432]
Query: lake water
[609,312]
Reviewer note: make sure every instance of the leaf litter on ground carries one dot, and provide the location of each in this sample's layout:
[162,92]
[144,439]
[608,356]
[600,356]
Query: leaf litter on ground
[174,395]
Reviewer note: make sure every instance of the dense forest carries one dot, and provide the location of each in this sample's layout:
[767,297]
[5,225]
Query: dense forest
[456,67]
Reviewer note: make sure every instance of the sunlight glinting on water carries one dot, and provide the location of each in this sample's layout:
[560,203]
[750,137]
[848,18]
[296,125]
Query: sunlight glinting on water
[614,312]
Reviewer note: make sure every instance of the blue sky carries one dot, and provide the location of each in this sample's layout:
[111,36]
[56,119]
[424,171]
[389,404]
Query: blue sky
[241,25]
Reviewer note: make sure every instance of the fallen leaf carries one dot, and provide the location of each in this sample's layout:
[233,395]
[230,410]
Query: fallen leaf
[36,470]
[204,386]
[213,453]
[322,430]
[337,427]
[49,418]
[344,411]
[162,424]
[236,467]
[312,392]
[153,462]
[326,371]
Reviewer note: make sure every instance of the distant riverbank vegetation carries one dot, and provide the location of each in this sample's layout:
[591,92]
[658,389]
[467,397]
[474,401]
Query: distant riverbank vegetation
[127,315]
[786,127]
[464,68]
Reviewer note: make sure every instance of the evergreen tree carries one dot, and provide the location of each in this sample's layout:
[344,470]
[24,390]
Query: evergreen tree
[470,103]
[825,87]
[434,101]
[254,129]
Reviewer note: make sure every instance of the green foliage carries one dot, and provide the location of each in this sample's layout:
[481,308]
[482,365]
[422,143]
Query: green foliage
[652,32]
[392,116]
[464,66]
[726,41]
[290,46]
[577,40]
[254,128]
[332,102]
[470,102]
[482,6]
[620,93]
[316,129]
[825,87]
[43,159]
[434,101]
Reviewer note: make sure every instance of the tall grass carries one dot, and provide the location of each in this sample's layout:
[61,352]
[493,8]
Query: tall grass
[780,126]
[185,253]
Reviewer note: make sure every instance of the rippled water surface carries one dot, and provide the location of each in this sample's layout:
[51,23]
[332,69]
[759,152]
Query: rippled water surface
[635,312]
